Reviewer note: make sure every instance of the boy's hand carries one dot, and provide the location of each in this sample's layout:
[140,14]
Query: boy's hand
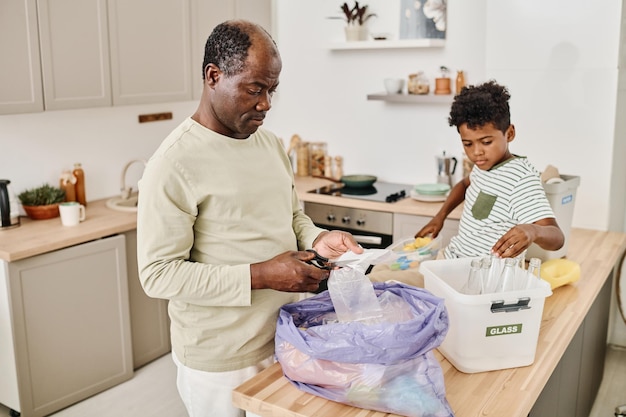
[515,241]
[433,228]
[545,232]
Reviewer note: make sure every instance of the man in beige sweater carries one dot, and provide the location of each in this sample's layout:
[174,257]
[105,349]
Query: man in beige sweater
[221,233]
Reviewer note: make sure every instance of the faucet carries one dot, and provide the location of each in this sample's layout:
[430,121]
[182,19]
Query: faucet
[127,191]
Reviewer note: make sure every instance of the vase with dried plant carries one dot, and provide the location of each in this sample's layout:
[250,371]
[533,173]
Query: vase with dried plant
[355,18]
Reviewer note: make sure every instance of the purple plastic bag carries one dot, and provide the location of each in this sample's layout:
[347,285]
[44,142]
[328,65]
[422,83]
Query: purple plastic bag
[386,367]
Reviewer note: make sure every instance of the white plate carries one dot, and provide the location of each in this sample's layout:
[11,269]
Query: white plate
[432,189]
[428,198]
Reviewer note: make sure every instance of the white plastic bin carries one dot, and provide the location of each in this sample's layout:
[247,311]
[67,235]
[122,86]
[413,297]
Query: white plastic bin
[562,198]
[487,331]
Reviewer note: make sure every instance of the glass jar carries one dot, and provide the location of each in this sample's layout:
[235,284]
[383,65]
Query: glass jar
[418,83]
[302,159]
[317,158]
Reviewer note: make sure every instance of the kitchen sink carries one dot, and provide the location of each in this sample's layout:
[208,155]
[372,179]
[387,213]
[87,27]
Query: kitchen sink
[123,204]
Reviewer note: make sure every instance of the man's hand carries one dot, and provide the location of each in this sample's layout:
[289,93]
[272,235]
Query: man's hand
[334,243]
[288,272]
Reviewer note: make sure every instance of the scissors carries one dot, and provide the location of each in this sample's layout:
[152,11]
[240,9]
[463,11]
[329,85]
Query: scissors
[320,261]
[324,263]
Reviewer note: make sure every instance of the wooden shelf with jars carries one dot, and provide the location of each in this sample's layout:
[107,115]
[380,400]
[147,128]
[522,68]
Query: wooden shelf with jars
[412,98]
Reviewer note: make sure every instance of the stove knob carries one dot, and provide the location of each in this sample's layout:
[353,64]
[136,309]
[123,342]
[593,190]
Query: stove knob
[330,217]
[345,220]
[360,222]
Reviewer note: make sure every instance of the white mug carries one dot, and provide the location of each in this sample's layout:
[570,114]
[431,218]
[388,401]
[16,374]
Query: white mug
[72,213]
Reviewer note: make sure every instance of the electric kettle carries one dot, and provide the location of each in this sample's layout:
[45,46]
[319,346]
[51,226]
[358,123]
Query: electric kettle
[9,215]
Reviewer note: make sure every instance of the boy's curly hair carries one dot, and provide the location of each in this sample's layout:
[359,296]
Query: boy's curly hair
[481,104]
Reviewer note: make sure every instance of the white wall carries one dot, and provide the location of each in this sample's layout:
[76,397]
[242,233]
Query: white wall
[561,67]
[35,148]
[558,57]
[322,94]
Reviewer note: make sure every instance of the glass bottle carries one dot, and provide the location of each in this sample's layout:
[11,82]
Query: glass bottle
[473,285]
[328,166]
[534,272]
[507,277]
[80,184]
[338,168]
[460,81]
[486,275]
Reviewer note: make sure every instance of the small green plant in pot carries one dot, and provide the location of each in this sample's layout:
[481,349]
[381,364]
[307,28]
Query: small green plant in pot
[42,202]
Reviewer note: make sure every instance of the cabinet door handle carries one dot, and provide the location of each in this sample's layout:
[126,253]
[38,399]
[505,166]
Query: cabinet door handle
[372,240]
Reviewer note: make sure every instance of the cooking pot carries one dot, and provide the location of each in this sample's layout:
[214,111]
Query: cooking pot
[353,181]
[9,215]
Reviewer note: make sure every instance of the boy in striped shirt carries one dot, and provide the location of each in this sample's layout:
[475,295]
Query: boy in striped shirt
[506,208]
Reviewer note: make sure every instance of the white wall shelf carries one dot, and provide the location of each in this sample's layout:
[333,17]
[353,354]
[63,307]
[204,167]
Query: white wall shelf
[412,98]
[389,44]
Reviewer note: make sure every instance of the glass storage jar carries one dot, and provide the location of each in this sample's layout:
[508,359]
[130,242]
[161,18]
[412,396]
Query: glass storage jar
[418,83]
[302,159]
[317,155]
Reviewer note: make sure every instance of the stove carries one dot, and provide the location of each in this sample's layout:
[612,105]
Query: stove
[385,192]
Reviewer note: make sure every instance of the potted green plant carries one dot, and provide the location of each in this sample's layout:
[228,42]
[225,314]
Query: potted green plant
[355,18]
[42,202]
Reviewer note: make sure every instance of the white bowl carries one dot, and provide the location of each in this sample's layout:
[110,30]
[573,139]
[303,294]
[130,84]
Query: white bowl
[394,85]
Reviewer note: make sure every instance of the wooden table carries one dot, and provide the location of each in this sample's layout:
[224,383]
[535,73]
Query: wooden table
[508,392]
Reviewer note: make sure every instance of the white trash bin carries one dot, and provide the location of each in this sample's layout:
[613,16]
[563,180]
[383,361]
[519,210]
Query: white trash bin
[562,198]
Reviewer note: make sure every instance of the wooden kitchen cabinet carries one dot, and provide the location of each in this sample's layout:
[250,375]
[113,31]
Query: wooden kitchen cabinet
[69,54]
[406,225]
[64,326]
[20,70]
[150,51]
[572,387]
[74,53]
[148,316]
[94,53]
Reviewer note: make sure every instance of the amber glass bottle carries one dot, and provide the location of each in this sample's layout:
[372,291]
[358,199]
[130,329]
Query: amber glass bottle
[460,81]
[80,184]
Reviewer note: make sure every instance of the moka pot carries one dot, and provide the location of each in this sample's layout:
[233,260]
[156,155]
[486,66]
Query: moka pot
[446,166]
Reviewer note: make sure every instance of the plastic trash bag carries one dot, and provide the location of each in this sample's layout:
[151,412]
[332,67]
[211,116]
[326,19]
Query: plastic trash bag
[385,366]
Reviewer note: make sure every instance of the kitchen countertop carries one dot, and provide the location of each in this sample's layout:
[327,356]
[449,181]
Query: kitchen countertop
[404,206]
[34,237]
[508,392]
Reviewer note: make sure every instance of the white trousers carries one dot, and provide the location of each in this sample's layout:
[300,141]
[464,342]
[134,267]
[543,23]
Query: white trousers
[209,394]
